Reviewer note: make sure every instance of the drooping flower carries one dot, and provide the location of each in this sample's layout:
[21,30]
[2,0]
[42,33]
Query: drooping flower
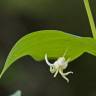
[59,66]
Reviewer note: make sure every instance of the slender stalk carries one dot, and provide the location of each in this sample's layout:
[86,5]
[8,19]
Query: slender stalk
[90,17]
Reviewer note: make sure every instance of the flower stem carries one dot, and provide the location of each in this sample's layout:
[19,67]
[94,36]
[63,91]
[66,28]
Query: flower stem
[90,17]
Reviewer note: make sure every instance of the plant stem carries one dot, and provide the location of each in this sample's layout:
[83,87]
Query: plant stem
[90,17]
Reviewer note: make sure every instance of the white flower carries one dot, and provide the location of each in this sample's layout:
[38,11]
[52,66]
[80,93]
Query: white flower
[58,66]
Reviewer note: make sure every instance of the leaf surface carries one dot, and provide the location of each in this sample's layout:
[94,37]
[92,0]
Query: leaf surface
[53,42]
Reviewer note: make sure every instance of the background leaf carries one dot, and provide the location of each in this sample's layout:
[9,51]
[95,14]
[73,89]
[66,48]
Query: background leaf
[17,93]
[52,42]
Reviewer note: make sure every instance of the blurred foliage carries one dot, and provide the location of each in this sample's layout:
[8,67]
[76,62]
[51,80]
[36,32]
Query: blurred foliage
[17,93]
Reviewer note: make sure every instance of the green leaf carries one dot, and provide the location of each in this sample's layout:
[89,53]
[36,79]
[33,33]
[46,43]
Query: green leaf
[52,42]
[90,45]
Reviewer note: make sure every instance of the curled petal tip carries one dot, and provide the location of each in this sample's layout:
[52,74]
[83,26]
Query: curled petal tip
[46,59]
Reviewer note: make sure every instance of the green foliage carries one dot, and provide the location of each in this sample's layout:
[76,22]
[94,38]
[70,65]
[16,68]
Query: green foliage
[52,42]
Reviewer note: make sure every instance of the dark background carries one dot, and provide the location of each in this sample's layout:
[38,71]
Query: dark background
[20,17]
